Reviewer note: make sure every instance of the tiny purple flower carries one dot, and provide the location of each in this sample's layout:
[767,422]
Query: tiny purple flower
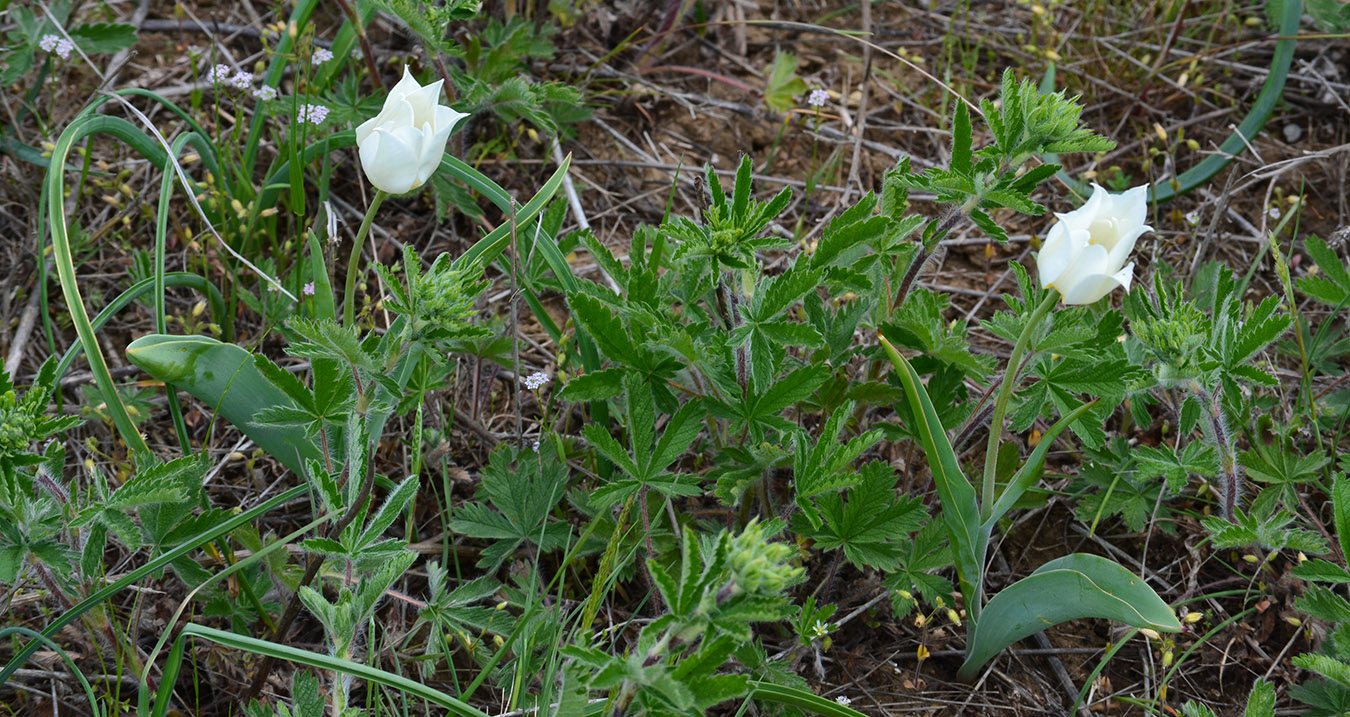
[313,114]
[218,74]
[242,80]
[308,289]
[265,93]
[535,380]
[817,98]
[59,45]
[1274,212]
[320,56]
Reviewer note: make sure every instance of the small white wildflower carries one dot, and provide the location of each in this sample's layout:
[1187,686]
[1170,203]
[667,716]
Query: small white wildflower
[308,289]
[320,56]
[265,93]
[843,700]
[1193,218]
[820,629]
[535,446]
[218,74]
[535,380]
[817,98]
[1274,212]
[242,80]
[194,51]
[59,45]
[313,114]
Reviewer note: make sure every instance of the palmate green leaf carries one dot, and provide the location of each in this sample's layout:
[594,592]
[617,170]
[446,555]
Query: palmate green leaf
[871,526]
[641,423]
[961,141]
[605,328]
[1258,331]
[389,511]
[787,333]
[1332,287]
[1326,666]
[1340,502]
[326,339]
[1100,589]
[776,294]
[841,239]
[783,86]
[600,439]
[594,386]
[1323,604]
[1321,571]
[103,37]
[224,378]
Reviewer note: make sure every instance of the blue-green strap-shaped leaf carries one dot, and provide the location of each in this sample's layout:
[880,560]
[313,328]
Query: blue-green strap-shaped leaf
[1072,587]
[224,377]
[960,510]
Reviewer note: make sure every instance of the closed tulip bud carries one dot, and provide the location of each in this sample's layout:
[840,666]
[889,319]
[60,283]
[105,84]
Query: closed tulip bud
[401,147]
[1085,252]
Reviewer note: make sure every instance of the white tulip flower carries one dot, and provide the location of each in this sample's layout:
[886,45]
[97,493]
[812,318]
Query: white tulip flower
[401,147]
[1085,252]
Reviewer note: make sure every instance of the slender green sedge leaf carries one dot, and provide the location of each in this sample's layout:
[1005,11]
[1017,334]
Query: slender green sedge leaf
[223,376]
[170,675]
[325,662]
[1074,586]
[801,699]
[1031,470]
[154,565]
[41,639]
[960,511]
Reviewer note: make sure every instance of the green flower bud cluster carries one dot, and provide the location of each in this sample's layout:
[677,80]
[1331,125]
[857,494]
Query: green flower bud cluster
[759,566]
[445,297]
[18,423]
[1174,339]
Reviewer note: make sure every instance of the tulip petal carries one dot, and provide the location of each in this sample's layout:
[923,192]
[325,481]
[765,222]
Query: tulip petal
[447,118]
[406,86]
[1125,244]
[1057,252]
[1082,217]
[1132,206]
[389,162]
[1092,287]
[424,102]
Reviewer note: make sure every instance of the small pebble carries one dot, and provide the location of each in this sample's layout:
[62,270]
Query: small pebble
[1292,133]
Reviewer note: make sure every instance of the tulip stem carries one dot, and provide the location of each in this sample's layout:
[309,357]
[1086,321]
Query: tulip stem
[353,262]
[1004,393]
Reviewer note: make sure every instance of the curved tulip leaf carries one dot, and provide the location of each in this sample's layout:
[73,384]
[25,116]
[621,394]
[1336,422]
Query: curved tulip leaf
[960,510]
[1272,92]
[223,377]
[1031,470]
[1072,587]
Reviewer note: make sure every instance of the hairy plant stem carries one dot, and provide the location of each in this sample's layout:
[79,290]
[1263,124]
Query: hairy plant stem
[1230,481]
[311,572]
[1005,390]
[354,261]
[943,227]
